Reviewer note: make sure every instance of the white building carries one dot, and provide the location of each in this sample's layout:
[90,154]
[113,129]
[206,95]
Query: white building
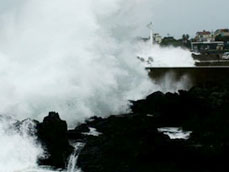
[204,36]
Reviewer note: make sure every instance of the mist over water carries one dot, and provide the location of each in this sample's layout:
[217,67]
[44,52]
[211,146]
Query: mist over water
[68,56]
[74,57]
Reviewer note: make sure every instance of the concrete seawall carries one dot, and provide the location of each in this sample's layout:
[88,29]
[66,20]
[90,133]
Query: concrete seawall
[196,74]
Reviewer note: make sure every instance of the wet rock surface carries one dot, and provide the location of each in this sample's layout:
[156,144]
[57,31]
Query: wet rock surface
[135,142]
[132,142]
[52,133]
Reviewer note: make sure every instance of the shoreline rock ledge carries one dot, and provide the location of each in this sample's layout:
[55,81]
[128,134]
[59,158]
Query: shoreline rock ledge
[133,142]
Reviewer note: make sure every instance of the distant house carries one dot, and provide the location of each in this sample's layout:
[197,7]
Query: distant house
[204,36]
[222,33]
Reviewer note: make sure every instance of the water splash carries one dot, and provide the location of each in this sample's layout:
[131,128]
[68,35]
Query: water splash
[18,147]
[156,56]
[71,56]
[68,56]
[72,164]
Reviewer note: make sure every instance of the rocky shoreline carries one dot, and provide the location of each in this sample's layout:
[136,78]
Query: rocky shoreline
[134,142]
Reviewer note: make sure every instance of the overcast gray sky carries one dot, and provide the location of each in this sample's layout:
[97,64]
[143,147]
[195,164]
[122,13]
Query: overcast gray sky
[179,16]
[188,16]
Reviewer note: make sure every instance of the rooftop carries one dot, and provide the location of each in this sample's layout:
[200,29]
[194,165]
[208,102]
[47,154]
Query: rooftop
[203,33]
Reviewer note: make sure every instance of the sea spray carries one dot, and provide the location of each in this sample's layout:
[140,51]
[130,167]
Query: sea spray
[18,147]
[74,57]
[20,150]
[68,56]
[72,164]
[153,55]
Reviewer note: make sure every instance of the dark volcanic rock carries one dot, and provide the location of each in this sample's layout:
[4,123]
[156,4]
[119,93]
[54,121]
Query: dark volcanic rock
[172,108]
[77,133]
[131,142]
[52,133]
[126,143]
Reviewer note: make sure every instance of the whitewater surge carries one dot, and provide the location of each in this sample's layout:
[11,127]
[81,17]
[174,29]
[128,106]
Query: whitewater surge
[18,149]
[68,56]
[153,55]
[71,56]
[74,57]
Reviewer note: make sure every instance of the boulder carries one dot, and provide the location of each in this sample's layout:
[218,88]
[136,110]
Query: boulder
[52,133]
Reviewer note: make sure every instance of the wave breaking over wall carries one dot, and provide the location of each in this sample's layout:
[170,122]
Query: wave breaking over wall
[74,57]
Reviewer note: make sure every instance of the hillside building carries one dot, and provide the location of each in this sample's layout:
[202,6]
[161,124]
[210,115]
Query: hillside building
[204,36]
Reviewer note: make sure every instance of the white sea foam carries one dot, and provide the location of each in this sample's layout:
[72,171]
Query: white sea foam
[18,149]
[175,133]
[157,56]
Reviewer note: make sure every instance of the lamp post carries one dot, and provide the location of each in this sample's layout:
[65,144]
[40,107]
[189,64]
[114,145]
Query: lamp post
[150,27]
